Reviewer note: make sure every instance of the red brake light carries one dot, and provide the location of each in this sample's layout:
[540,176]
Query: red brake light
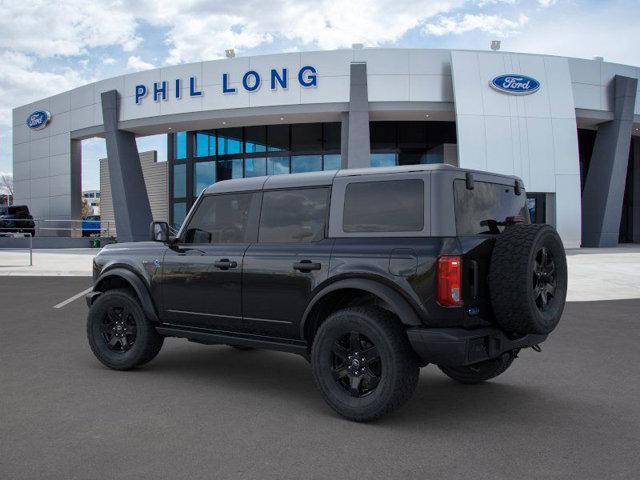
[449,281]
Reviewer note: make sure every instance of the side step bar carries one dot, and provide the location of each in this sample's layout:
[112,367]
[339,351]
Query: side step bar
[228,338]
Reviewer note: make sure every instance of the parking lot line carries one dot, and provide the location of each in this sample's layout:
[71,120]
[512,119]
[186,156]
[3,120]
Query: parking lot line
[71,299]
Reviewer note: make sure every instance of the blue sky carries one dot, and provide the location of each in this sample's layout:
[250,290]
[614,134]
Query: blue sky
[52,47]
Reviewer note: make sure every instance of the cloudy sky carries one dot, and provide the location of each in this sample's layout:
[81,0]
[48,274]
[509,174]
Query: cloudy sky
[47,47]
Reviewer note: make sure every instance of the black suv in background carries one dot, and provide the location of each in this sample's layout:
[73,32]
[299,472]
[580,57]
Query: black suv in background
[369,274]
[17,219]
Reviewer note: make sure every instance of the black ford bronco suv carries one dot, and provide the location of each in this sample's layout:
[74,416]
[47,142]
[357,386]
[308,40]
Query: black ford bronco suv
[369,274]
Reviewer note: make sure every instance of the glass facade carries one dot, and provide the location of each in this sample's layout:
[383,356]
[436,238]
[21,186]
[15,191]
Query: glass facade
[201,158]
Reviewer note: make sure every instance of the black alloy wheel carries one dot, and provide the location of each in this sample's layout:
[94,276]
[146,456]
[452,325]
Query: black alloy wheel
[544,278]
[119,329]
[356,364]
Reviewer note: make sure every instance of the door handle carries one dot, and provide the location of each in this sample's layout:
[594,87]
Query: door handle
[225,264]
[306,266]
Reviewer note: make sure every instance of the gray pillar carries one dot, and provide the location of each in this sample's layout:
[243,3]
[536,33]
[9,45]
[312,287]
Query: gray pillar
[636,190]
[604,186]
[128,191]
[357,141]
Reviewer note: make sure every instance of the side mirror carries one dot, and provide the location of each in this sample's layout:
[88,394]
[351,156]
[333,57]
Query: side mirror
[159,232]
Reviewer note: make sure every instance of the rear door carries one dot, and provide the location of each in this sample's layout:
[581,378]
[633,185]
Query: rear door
[202,272]
[289,260]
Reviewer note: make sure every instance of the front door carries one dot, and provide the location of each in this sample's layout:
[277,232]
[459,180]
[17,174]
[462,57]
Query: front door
[290,259]
[202,271]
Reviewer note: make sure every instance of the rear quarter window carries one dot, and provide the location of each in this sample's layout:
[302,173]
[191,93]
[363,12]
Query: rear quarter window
[384,206]
[486,202]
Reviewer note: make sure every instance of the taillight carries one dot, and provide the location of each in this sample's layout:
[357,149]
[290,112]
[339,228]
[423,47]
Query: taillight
[449,281]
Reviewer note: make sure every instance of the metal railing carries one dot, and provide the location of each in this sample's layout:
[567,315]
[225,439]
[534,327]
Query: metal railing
[55,228]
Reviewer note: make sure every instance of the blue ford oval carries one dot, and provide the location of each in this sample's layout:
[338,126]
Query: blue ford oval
[515,84]
[38,119]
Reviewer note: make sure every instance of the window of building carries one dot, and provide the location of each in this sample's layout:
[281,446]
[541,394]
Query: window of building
[332,162]
[255,139]
[400,210]
[180,180]
[179,212]
[204,174]
[229,141]
[278,165]
[306,163]
[255,167]
[220,219]
[278,138]
[205,144]
[228,169]
[306,137]
[383,159]
[180,146]
[294,215]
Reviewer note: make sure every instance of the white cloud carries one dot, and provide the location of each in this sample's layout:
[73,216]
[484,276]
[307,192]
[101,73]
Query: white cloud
[46,28]
[491,24]
[135,63]
[547,3]
[108,61]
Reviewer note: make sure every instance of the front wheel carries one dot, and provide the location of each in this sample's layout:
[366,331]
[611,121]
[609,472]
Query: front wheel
[480,372]
[363,364]
[119,333]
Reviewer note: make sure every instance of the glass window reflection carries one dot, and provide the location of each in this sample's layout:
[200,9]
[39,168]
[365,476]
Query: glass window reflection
[383,159]
[255,167]
[205,144]
[229,141]
[204,174]
[306,163]
[180,146]
[180,180]
[228,169]
[332,162]
[277,165]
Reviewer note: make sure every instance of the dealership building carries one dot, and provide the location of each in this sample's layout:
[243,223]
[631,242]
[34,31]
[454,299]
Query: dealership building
[568,127]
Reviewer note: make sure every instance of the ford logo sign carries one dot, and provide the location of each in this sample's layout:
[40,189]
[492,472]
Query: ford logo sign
[38,119]
[515,84]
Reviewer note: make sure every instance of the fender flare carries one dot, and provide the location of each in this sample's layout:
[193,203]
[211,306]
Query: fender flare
[397,302]
[136,283]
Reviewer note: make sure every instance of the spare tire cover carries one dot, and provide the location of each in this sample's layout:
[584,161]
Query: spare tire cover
[528,279]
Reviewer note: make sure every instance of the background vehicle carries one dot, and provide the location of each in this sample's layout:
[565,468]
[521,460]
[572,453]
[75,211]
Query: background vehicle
[16,219]
[91,225]
[370,274]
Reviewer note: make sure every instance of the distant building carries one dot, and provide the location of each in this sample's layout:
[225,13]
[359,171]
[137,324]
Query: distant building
[93,198]
[155,179]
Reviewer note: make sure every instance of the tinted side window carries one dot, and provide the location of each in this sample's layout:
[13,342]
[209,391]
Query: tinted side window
[385,206]
[294,215]
[487,201]
[220,219]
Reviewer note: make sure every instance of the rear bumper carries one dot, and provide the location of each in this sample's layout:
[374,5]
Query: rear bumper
[459,347]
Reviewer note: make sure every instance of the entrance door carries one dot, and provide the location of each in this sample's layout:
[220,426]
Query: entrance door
[202,272]
[290,259]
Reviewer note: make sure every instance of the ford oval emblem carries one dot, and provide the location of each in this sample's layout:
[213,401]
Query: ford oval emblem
[38,119]
[515,84]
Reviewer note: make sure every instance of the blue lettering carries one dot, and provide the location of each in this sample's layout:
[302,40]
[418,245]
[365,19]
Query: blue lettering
[225,84]
[256,81]
[311,79]
[178,91]
[157,90]
[192,88]
[141,91]
[275,77]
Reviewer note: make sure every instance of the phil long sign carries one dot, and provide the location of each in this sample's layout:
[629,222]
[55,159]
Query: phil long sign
[515,84]
[250,81]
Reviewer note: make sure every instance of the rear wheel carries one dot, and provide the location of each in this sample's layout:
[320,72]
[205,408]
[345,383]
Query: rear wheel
[480,372]
[363,364]
[119,334]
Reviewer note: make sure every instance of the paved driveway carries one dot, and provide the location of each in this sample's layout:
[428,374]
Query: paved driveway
[572,411]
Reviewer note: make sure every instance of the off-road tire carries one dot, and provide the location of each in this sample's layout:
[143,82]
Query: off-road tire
[512,279]
[479,372]
[148,341]
[398,363]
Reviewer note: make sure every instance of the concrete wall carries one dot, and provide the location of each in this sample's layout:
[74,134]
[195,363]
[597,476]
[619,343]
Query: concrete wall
[532,136]
[156,180]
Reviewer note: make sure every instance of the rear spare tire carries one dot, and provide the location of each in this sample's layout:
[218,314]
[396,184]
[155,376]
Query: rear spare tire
[528,279]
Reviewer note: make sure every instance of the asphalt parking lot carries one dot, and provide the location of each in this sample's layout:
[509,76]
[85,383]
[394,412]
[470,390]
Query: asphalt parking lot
[572,411]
